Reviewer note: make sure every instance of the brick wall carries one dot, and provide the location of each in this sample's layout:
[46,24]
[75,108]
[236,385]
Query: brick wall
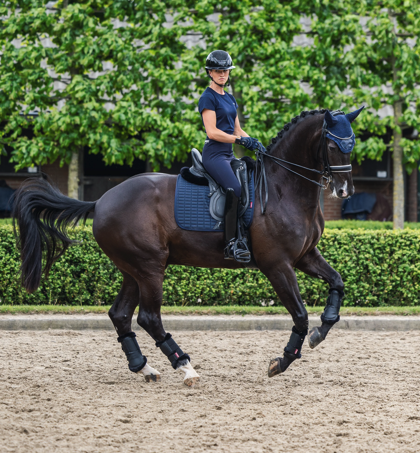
[332,206]
[13,182]
[57,175]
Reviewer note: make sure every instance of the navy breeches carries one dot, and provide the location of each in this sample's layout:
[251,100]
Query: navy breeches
[217,163]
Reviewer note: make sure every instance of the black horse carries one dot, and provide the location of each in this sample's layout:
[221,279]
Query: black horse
[134,225]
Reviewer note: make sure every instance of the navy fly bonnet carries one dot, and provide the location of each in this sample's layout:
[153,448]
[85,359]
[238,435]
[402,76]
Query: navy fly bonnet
[339,129]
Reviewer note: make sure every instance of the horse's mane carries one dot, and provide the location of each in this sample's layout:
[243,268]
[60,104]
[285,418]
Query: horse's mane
[290,125]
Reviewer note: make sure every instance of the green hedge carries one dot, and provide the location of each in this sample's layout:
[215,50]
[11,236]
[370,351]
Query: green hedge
[366,225]
[379,268]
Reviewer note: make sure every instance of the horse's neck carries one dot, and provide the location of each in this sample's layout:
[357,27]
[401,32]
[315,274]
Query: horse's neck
[300,147]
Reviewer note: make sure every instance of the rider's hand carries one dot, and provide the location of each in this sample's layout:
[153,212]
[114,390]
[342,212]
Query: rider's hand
[250,143]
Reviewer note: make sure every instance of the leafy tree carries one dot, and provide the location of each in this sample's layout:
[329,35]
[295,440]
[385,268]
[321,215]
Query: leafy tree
[390,67]
[123,78]
[368,52]
[93,80]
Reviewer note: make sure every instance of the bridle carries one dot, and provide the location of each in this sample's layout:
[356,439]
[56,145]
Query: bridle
[326,173]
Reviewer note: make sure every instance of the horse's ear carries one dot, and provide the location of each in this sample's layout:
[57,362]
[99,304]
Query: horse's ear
[353,115]
[329,119]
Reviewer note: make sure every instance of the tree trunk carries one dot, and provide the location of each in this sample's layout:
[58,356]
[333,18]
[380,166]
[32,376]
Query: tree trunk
[73,181]
[398,195]
[75,175]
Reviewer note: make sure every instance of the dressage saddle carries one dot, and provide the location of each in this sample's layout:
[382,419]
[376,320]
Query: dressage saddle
[197,174]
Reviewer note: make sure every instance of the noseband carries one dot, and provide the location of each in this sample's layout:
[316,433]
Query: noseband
[326,173]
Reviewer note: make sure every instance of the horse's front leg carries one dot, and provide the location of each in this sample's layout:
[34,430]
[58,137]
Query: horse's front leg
[315,265]
[283,279]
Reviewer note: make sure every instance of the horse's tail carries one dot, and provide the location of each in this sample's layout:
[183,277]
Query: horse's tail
[43,215]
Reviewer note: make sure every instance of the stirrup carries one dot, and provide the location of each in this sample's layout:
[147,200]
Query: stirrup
[237,249]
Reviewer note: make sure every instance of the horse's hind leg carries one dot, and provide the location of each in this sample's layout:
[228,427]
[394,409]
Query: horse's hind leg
[315,265]
[121,314]
[150,320]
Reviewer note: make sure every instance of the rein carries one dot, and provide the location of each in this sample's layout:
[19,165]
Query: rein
[326,173]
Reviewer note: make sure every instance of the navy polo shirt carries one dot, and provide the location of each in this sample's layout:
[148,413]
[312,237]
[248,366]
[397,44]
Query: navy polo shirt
[225,107]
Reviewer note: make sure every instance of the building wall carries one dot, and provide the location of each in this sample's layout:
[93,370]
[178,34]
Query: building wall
[332,206]
[57,175]
[412,197]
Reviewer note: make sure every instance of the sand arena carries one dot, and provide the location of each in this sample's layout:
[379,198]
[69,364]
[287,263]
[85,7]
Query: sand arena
[71,391]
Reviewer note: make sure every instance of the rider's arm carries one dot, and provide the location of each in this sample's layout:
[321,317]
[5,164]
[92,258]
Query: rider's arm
[238,131]
[209,120]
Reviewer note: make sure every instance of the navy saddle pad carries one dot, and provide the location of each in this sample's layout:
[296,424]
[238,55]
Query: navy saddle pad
[192,206]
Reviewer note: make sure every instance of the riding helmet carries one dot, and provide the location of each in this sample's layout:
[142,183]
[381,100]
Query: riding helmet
[219,59]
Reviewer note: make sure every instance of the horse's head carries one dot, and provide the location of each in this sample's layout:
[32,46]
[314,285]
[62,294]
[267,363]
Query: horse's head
[340,141]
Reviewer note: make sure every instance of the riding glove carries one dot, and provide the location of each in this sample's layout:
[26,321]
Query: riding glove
[248,142]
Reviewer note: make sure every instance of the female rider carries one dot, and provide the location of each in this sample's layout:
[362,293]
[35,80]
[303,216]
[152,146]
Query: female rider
[218,112]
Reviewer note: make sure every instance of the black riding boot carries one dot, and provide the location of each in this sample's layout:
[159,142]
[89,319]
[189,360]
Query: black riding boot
[236,249]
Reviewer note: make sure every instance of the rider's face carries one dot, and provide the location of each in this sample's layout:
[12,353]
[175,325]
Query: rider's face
[220,75]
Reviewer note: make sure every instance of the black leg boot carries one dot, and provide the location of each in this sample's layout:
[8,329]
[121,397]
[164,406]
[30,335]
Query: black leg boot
[236,245]
[231,222]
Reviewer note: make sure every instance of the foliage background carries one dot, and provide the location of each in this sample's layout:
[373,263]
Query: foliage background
[379,268]
[123,78]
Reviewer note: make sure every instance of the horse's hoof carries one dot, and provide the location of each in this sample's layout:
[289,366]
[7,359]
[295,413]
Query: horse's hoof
[150,374]
[191,378]
[314,338]
[152,377]
[274,367]
[192,382]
